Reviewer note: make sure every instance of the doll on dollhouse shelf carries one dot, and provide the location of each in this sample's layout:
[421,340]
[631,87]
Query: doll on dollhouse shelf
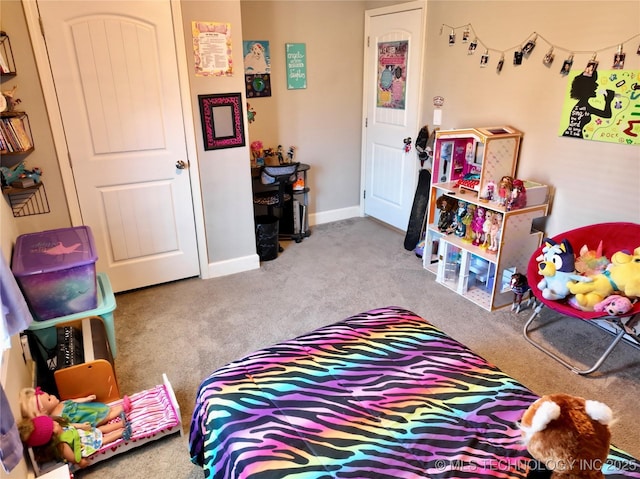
[477,224]
[461,212]
[486,229]
[495,231]
[447,207]
[504,190]
[467,221]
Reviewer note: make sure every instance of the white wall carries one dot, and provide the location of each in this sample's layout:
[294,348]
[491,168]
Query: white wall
[324,120]
[593,181]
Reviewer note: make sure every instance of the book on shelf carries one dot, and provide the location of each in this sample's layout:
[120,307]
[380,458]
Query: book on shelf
[21,132]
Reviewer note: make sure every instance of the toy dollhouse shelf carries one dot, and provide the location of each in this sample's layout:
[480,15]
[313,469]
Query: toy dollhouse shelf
[27,201]
[465,162]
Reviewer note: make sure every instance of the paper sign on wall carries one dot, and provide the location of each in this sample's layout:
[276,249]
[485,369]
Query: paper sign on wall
[212,48]
[602,106]
[296,54]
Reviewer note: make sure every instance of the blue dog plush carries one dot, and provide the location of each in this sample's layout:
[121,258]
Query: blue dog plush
[557,266]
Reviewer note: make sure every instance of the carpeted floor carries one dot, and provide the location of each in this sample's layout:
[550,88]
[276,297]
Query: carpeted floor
[189,328]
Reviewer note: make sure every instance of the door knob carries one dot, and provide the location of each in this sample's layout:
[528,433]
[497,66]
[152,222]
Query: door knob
[181,165]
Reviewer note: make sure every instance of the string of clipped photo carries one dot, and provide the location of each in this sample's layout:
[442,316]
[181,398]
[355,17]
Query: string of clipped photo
[523,50]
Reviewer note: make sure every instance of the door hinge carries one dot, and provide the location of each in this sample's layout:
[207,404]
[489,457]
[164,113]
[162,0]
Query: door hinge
[364,194]
[368,39]
[366,122]
[41,26]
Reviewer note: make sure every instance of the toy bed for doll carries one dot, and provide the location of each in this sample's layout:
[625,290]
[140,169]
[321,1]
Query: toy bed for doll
[154,414]
[615,237]
[380,395]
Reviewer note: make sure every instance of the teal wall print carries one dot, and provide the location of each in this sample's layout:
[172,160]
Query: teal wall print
[296,66]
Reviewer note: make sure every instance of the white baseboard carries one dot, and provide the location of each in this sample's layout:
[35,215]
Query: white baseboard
[233,266]
[248,263]
[334,215]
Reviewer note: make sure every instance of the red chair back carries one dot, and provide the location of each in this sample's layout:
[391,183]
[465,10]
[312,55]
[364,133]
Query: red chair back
[615,237]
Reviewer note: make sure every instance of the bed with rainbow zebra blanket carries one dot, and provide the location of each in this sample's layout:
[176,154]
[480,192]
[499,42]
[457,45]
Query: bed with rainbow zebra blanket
[382,394]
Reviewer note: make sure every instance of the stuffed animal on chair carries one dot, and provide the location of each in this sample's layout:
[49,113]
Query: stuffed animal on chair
[614,305]
[623,274]
[557,266]
[568,435]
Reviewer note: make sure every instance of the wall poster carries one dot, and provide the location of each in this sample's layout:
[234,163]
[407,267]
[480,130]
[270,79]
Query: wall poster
[602,106]
[296,66]
[212,48]
[392,74]
[257,68]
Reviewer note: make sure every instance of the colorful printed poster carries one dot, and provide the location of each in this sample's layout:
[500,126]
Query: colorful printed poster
[257,68]
[392,74]
[212,48]
[296,66]
[602,106]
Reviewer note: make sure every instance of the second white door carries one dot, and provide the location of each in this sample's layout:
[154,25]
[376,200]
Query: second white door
[393,69]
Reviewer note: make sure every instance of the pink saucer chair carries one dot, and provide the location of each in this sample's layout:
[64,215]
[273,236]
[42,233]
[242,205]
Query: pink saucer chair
[615,237]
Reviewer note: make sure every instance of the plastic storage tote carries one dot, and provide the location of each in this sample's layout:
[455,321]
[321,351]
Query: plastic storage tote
[56,271]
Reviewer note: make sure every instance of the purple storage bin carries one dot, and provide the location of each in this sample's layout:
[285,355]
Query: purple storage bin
[56,271]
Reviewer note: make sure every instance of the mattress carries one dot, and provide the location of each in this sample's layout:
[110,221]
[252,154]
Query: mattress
[382,394]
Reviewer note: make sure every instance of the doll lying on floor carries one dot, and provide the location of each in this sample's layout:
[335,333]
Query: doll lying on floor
[71,442]
[35,402]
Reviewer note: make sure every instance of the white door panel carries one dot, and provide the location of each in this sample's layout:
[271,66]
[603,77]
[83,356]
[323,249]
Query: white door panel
[391,173]
[115,74]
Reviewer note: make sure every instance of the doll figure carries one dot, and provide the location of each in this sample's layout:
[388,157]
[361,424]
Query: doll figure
[486,229]
[518,197]
[467,220]
[504,190]
[447,207]
[476,225]
[495,230]
[489,191]
[72,442]
[460,214]
[35,402]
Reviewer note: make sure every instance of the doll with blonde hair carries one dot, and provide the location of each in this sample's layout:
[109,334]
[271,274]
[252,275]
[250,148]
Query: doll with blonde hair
[36,402]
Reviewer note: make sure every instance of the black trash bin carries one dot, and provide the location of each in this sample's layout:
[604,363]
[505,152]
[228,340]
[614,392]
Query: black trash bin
[267,237]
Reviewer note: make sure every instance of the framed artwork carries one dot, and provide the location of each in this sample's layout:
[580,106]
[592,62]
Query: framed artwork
[222,123]
[296,66]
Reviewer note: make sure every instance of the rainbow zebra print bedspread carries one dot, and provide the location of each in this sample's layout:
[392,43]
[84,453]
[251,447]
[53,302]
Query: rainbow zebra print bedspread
[382,394]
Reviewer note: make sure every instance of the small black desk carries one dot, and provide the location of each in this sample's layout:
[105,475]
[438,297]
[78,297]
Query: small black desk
[294,219]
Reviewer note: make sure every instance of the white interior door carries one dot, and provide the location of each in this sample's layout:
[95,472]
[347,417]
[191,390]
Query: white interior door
[116,77]
[393,69]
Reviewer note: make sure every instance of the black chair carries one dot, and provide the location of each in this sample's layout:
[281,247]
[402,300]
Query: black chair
[280,176]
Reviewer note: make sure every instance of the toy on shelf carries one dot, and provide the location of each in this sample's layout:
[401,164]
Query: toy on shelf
[35,402]
[486,229]
[467,221]
[495,231]
[504,189]
[518,197]
[460,226]
[477,225]
[568,435]
[72,442]
[447,207]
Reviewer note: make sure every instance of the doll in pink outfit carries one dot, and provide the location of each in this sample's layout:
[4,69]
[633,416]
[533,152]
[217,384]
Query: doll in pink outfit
[476,226]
